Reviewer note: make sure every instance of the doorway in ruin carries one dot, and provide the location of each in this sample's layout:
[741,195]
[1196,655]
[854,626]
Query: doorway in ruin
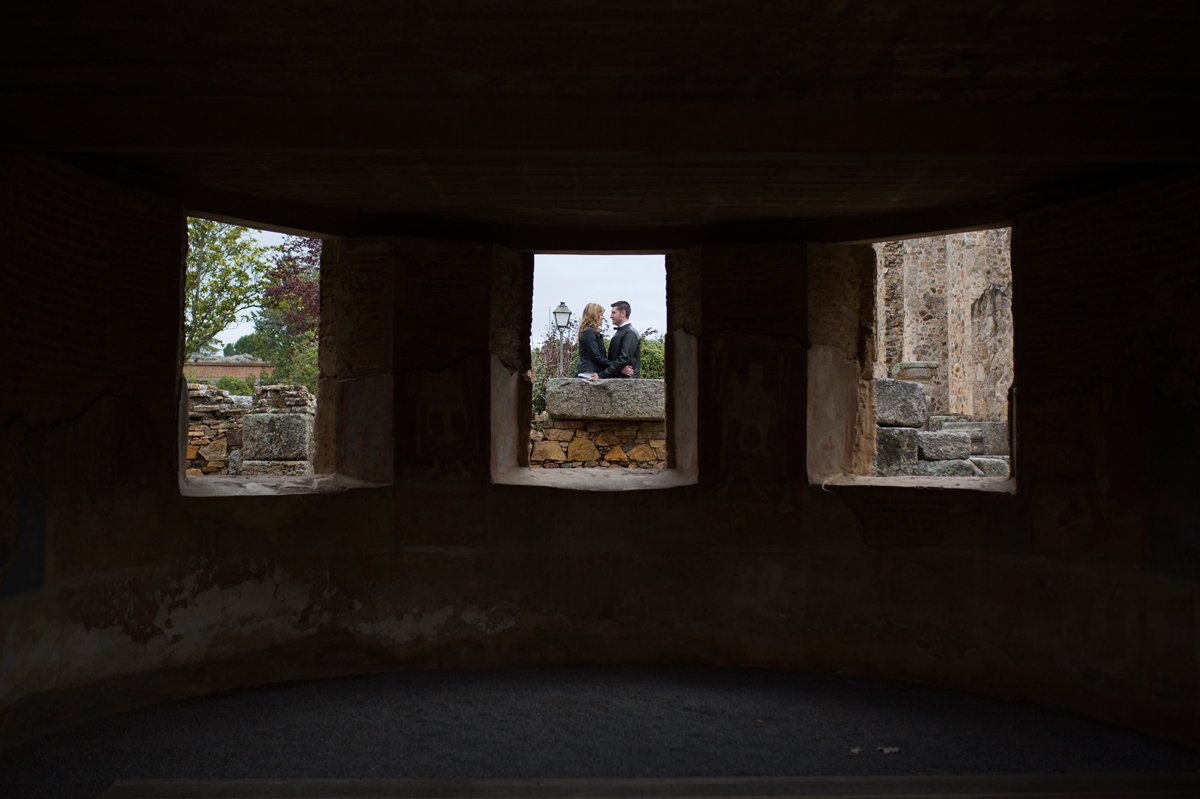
[944,355]
[614,420]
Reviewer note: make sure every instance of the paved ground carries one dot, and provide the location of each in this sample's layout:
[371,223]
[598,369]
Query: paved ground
[592,722]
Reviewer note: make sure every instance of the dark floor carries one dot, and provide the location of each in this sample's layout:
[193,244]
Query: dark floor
[594,721]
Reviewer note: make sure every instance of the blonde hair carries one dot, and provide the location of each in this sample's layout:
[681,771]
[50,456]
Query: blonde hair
[592,316]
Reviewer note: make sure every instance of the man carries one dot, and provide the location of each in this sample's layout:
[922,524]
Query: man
[625,349]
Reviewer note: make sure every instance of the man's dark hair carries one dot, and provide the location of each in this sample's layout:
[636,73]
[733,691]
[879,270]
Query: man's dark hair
[623,307]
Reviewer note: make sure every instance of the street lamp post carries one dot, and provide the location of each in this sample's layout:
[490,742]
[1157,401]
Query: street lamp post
[562,319]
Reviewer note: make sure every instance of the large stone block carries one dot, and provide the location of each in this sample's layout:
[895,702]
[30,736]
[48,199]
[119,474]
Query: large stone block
[630,400]
[991,467]
[943,446]
[995,438]
[895,451]
[972,429]
[960,468]
[277,468]
[900,403]
[938,421]
[277,436]
[987,438]
[920,371]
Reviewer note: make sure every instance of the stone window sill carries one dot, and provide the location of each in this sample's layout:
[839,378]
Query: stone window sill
[992,485]
[265,486]
[593,479]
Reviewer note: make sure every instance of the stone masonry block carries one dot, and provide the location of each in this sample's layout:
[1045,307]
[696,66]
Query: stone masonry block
[277,436]
[900,403]
[581,449]
[547,451]
[995,438]
[973,429]
[629,400]
[895,451]
[943,446]
[938,421]
[277,468]
[987,438]
[991,467]
[958,468]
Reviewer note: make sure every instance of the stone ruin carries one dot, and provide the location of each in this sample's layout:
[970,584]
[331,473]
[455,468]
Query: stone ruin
[214,444]
[909,440]
[944,337]
[269,434]
[943,317]
[601,424]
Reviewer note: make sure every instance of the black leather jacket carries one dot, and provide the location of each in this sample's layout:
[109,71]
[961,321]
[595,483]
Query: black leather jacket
[625,348]
[591,352]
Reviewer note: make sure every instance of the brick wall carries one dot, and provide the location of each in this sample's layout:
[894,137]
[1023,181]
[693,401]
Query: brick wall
[214,371]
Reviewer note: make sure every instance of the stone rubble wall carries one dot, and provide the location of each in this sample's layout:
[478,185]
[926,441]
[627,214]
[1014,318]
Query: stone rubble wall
[271,433]
[889,306]
[612,444]
[948,299]
[214,431]
[601,424]
[980,323]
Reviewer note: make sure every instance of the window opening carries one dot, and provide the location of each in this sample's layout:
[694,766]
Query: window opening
[617,420]
[251,335]
[944,355]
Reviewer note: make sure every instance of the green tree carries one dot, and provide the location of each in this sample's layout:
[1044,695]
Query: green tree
[246,345]
[297,364]
[237,385]
[226,275]
[654,357]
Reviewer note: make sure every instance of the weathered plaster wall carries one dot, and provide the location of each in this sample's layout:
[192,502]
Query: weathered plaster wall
[1078,592]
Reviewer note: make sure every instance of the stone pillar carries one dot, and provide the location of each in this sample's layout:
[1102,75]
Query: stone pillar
[277,435]
[980,323]
[925,310]
[889,306]
[923,372]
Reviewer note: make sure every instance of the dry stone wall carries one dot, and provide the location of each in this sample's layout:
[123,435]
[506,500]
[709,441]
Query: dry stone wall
[269,434]
[214,431]
[571,443]
[601,424]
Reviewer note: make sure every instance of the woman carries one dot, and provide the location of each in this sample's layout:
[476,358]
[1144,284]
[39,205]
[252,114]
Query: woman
[591,345]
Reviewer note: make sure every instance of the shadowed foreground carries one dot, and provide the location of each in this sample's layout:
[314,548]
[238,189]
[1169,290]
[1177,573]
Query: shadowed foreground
[579,722]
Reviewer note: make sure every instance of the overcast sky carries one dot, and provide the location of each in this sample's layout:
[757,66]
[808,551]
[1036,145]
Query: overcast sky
[640,280]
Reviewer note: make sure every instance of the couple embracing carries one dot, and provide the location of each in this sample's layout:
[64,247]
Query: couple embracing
[624,356]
